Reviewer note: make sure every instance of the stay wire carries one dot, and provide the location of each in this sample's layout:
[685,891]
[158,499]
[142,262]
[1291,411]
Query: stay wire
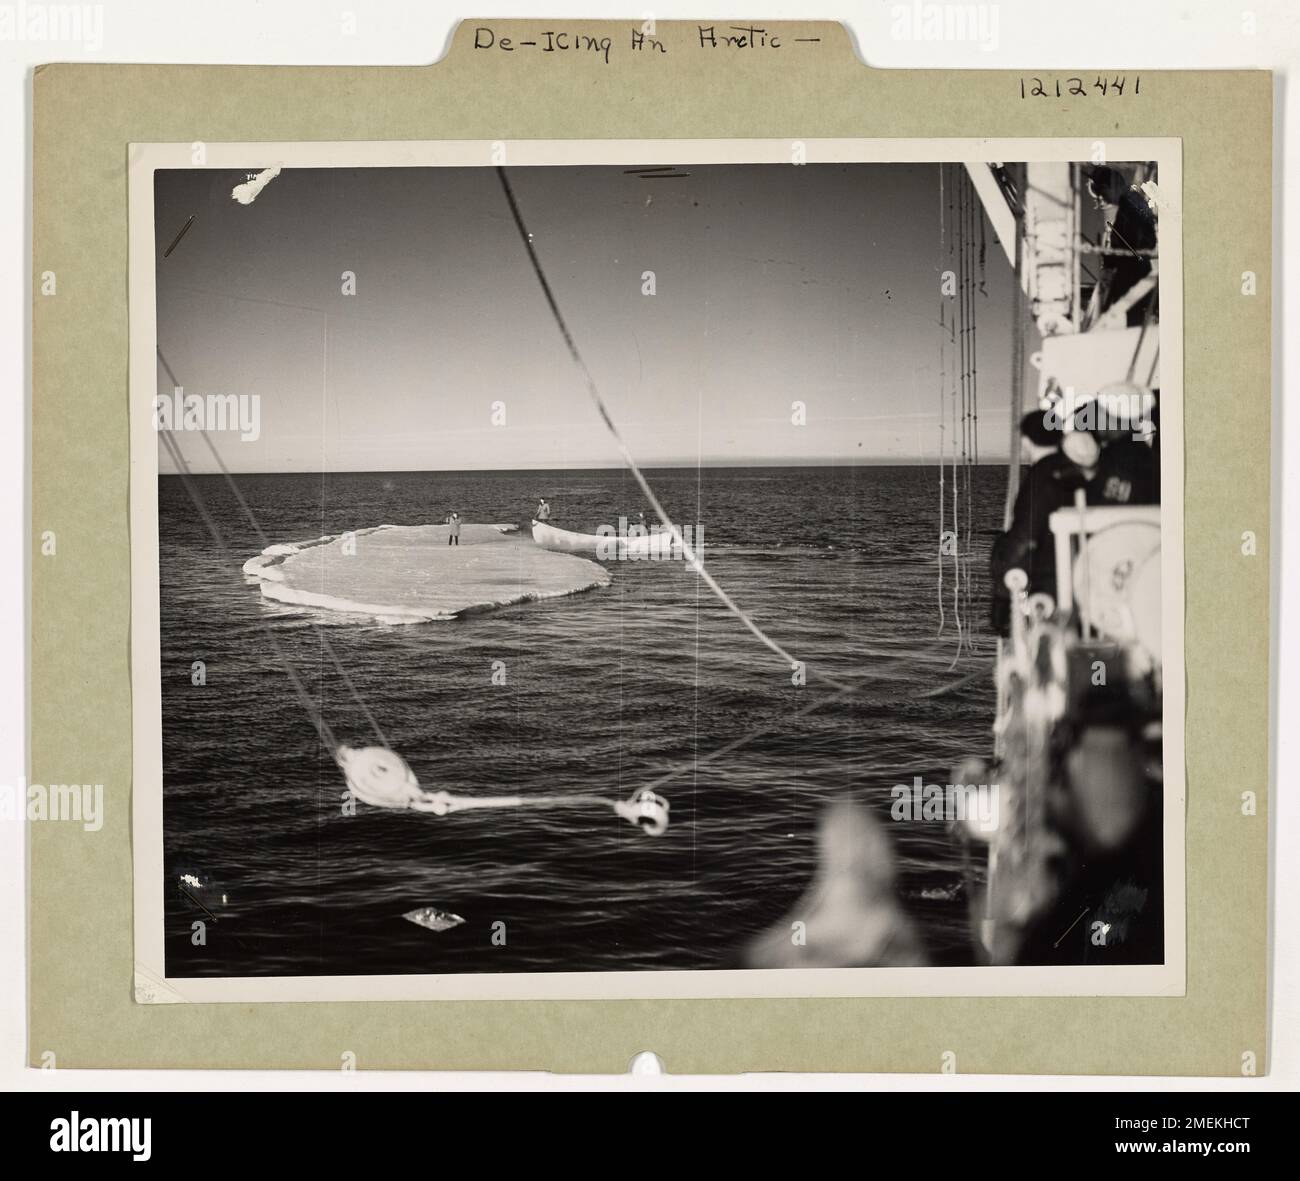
[943,387]
[594,393]
[247,510]
[323,728]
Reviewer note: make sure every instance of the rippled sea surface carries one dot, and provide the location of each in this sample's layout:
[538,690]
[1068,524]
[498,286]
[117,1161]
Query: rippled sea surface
[604,692]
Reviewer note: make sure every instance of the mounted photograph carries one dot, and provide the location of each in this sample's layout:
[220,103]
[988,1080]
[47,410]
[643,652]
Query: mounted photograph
[602,569]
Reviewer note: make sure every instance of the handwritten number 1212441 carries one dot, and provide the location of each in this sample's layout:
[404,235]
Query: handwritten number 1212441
[1076,87]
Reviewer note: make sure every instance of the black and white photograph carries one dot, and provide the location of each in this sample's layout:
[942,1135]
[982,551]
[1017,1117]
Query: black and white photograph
[719,568]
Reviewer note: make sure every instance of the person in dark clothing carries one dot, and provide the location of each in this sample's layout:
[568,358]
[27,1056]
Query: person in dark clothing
[1126,474]
[1126,470]
[1049,484]
[1130,227]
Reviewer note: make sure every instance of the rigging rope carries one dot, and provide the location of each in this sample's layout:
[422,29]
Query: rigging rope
[955,342]
[692,559]
[963,287]
[326,646]
[322,727]
[976,285]
[963,247]
[968,300]
[943,385]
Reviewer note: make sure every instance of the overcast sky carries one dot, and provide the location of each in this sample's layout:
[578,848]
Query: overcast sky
[774,283]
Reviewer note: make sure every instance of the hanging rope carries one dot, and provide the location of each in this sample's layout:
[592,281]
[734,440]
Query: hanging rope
[962,244]
[956,343]
[963,288]
[943,384]
[326,647]
[966,225]
[300,690]
[1017,367]
[977,285]
[968,309]
[594,393]
[974,371]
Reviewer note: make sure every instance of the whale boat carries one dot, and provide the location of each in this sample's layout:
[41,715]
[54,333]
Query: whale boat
[607,548]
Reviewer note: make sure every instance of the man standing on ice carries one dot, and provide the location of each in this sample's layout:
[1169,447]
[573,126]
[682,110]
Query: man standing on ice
[453,529]
[543,509]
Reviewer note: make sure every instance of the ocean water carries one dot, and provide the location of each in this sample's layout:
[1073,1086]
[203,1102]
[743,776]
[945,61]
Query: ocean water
[605,691]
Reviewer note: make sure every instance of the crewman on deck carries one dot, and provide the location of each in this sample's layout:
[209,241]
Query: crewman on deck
[543,510]
[1127,470]
[1130,235]
[453,529]
[1049,483]
[1125,474]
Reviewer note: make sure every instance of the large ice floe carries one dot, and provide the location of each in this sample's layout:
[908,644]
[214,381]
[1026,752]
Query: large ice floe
[409,573]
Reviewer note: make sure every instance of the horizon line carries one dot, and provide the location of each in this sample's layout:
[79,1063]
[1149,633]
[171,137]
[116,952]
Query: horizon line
[999,461]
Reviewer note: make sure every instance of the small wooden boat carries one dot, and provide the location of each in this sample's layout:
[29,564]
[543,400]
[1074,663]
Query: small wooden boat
[607,548]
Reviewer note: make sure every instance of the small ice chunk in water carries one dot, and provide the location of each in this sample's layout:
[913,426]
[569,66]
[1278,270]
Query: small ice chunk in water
[433,919]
